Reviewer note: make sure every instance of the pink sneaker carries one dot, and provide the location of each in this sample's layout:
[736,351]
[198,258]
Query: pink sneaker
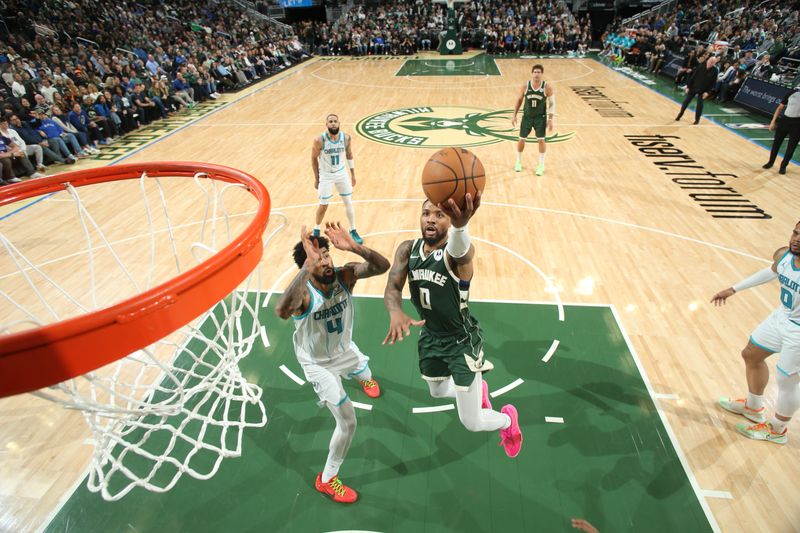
[485,402]
[511,438]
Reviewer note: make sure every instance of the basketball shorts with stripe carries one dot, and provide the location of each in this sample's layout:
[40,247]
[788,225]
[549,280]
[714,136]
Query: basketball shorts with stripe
[778,334]
[340,180]
[459,356]
[326,378]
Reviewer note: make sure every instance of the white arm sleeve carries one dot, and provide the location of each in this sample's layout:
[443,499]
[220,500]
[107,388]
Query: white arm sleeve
[457,242]
[551,104]
[762,276]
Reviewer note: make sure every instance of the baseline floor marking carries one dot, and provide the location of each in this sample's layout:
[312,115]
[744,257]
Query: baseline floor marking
[662,396]
[291,375]
[510,386]
[554,419]
[436,409]
[551,351]
[670,433]
[725,495]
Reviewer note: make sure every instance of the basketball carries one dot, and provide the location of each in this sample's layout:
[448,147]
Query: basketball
[452,173]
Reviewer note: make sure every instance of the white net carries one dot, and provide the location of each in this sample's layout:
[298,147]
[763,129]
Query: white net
[180,405]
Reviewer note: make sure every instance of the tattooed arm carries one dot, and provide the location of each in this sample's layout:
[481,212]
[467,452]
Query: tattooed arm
[399,322]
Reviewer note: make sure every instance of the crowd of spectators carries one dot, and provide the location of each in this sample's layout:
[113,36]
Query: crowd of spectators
[752,38]
[77,74]
[408,26]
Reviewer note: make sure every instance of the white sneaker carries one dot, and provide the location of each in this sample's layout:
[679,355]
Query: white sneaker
[13,180]
[738,406]
[37,175]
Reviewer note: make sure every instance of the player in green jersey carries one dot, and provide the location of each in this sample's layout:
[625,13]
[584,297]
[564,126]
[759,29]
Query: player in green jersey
[537,115]
[439,270]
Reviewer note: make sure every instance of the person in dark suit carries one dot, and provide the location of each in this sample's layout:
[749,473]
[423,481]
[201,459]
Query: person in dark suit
[700,83]
[783,124]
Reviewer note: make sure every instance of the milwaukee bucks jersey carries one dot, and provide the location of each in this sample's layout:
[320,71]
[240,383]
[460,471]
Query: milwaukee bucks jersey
[440,298]
[325,330]
[333,154]
[535,101]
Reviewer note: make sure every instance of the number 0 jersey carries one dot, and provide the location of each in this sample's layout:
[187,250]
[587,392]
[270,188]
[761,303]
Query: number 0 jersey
[789,278]
[440,297]
[325,330]
[333,153]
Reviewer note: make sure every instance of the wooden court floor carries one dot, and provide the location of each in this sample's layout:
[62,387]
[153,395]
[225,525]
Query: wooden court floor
[634,210]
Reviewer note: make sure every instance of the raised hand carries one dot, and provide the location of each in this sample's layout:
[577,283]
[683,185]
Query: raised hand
[340,238]
[400,326]
[313,253]
[460,216]
[719,298]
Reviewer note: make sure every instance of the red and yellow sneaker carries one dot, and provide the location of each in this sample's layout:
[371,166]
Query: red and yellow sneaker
[336,490]
[370,387]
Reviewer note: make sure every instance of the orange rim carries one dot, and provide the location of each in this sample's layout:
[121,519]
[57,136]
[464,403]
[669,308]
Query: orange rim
[40,357]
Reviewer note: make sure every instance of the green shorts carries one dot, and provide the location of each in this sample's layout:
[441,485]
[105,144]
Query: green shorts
[459,355]
[538,124]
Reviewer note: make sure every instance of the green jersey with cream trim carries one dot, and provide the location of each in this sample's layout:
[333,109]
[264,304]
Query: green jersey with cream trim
[440,297]
[535,101]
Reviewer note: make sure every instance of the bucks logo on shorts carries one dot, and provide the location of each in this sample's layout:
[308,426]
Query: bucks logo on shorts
[442,126]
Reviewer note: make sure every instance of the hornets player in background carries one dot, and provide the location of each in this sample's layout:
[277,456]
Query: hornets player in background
[439,271]
[319,301]
[328,161]
[538,101]
[779,332]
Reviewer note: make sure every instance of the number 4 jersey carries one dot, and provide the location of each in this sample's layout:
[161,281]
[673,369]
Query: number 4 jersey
[325,330]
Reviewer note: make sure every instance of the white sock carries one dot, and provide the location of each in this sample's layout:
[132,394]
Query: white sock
[350,210]
[777,425]
[754,401]
[541,158]
[345,417]
[519,157]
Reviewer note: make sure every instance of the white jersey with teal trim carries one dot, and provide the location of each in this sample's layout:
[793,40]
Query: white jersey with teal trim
[789,278]
[325,330]
[333,154]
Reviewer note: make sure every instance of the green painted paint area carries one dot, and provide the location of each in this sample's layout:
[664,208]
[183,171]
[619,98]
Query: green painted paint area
[611,461]
[480,65]
[747,123]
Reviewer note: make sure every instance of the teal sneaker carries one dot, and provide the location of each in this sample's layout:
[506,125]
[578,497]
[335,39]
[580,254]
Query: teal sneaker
[315,233]
[518,166]
[356,237]
[762,432]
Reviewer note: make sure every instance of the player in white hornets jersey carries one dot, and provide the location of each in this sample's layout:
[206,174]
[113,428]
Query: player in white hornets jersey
[779,332]
[328,161]
[318,299]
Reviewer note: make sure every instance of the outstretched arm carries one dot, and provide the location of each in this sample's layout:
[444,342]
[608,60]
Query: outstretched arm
[296,299]
[762,276]
[374,263]
[399,322]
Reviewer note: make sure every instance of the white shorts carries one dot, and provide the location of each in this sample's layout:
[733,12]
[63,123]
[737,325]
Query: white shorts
[342,182]
[327,379]
[779,334]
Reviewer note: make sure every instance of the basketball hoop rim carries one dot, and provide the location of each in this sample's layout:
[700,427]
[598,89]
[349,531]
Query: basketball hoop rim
[32,359]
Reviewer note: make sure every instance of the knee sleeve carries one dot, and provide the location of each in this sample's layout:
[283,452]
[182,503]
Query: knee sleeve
[788,394]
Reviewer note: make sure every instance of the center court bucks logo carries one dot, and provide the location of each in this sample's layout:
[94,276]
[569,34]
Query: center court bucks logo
[443,126]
